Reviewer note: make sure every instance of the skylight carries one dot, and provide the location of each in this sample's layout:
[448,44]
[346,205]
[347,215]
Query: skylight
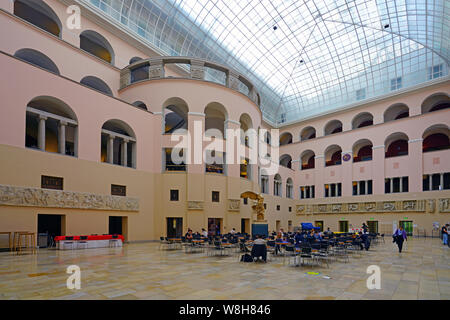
[305,57]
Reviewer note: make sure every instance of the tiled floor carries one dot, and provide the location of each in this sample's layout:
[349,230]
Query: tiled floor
[141,271]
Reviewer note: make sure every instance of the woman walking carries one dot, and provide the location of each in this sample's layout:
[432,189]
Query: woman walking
[399,237]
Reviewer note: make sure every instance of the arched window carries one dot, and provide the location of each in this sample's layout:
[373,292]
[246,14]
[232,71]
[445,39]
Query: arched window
[363,119]
[37,58]
[96,44]
[277,185]
[307,159]
[436,138]
[285,138]
[246,124]
[286,161]
[395,112]
[334,126]
[264,181]
[396,145]
[175,114]
[333,156]
[52,126]
[267,138]
[307,133]
[215,117]
[96,84]
[289,188]
[140,104]
[435,102]
[118,144]
[362,150]
[37,12]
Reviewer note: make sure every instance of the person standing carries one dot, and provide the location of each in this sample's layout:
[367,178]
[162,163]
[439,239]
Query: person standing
[444,231]
[399,237]
[365,227]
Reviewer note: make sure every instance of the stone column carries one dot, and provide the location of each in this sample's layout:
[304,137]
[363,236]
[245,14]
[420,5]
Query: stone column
[124,152]
[391,183]
[319,166]
[233,80]
[415,161]
[197,69]
[401,184]
[358,188]
[62,137]
[441,184]
[110,149]
[41,132]
[430,181]
[366,186]
[134,154]
[378,169]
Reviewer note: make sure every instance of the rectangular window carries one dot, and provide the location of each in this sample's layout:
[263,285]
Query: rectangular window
[361,94]
[396,185]
[245,200]
[174,195]
[355,188]
[312,192]
[387,185]
[48,182]
[332,190]
[278,207]
[327,191]
[426,182]
[446,180]
[435,181]
[396,83]
[118,190]
[369,187]
[215,196]
[265,206]
[362,187]
[290,209]
[405,184]
[339,189]
[435,71]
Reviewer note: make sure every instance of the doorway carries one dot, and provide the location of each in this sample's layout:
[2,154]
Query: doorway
[319,224]
[407,226]
[52,225]
[373,226]
[174,227]
[245,225]
[343,226]
[115,225]
[214,226]
[277,226]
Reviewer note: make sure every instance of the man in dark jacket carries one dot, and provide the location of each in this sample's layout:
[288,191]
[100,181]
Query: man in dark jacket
[399,237]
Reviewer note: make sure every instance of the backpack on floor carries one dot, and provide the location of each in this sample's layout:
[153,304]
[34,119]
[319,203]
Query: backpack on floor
[246,258]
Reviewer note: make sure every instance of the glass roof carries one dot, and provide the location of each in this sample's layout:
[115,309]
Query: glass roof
[305,57]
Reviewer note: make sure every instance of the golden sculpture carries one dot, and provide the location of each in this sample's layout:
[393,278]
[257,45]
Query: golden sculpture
[258,207]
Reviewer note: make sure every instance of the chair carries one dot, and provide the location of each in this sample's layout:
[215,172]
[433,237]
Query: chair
[289,251]
[259,250]
[114,243]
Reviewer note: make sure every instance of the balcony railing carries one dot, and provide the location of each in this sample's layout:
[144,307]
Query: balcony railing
[154,68]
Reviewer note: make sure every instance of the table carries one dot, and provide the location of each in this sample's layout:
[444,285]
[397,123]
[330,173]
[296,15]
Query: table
[9,233]
[88,242]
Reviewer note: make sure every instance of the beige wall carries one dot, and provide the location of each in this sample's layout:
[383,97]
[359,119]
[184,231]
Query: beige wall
[19,166]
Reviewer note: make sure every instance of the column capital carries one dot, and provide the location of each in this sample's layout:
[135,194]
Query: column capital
[415,140]
[62,123]
[42,117]
[378,147]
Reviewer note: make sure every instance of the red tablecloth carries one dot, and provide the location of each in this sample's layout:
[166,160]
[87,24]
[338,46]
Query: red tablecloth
[98,237]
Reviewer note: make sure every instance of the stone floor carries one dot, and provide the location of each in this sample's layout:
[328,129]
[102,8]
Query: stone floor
[142,271]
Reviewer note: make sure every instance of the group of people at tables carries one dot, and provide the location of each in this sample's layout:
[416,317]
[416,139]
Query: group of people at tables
[281,239]
[303,238]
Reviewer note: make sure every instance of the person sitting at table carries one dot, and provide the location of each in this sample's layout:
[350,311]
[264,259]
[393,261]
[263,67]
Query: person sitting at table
[259,248]
[233,231]
[189,236]
[279,238]
[317,235]
[204,233]
[298,238]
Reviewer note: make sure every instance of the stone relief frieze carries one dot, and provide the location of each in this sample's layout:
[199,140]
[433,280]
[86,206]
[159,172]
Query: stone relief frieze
[234,204]
[36,197]
[195,205]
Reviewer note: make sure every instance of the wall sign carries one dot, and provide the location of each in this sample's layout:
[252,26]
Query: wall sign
[346,157]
